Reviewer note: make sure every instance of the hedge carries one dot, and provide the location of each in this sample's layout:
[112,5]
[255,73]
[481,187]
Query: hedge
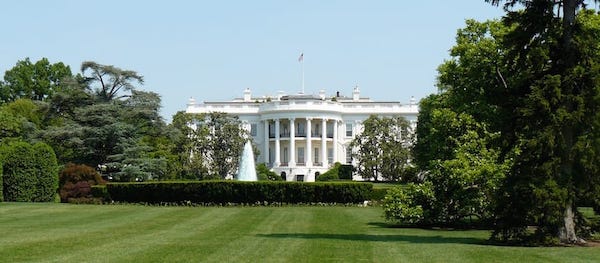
[30,172]
[222,192]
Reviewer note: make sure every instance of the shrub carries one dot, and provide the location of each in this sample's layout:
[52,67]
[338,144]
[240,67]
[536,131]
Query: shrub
[408,205]
[30,172]
[378,193]
[345,171]
[100,191]
[222,192]
[263,173]
[331,174]
[76,181]
[20,181]
[47,172]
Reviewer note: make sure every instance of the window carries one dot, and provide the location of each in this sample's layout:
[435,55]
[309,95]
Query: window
[329,129]
[300,155]
[285,155]
[300,130]
[348,129]
[271,130]
[330,155]
[349,155]
[253,129]
[316,158]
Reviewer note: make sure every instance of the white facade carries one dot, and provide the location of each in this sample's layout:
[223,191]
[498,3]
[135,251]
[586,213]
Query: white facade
[300,135]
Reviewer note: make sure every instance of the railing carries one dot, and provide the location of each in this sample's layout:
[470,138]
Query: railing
[300,164]
[283,164]
[284,134]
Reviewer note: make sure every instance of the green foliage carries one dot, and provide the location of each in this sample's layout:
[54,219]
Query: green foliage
[409,205]
[382,149]
[100,191]
[35,81]
[11,126]
[379,194]
[331,174]
[222,192]
[112,79]
[216,143]
[75,181]
[47,172]
[30,172]
[19,172]
[265,174]
[345,171]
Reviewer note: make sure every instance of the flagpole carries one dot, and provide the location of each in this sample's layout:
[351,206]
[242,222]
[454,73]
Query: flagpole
[301,60]
[302,73]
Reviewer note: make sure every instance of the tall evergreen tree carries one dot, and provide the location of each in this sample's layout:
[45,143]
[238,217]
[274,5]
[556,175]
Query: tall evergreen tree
[554,54]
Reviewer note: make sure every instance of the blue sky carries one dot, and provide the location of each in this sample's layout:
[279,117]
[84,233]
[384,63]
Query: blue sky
[213,50]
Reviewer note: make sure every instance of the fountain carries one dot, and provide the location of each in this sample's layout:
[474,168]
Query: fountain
[247,169]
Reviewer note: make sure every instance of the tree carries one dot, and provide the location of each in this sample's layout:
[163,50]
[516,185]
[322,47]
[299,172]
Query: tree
[35,81]
[553,54]
[112,79]
[217,140]
[463,165]
[382,149]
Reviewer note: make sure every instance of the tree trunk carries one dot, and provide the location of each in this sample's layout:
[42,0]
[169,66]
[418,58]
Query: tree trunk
[566,233]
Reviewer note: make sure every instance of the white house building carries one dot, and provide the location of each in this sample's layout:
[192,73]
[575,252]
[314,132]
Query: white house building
[301,135]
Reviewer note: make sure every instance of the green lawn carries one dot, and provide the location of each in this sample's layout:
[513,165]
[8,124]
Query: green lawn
[129,233]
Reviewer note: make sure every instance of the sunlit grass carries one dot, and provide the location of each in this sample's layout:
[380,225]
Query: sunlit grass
[131,233]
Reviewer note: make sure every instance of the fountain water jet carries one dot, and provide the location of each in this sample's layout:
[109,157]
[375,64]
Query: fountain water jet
[247,169]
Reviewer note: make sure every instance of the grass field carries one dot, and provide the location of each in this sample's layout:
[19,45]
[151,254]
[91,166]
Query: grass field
[130,233]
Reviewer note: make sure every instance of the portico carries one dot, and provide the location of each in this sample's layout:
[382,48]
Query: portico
[301,136]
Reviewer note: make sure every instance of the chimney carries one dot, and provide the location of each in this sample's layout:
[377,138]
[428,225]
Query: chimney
[322,94]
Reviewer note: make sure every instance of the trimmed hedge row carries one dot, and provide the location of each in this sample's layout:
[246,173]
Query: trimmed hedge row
[221,192]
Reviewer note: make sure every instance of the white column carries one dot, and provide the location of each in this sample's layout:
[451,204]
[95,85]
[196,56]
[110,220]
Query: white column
[335,140]
[277,157]
[266,147]
[292,143]
[324,142]
[309,160]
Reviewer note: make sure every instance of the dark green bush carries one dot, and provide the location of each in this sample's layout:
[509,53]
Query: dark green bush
[263,173]
[345,171]
[100,191]
[222,192]
[331,174]
[20,180]
[30,172]
[378,193]
[47,172]
[76,181]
